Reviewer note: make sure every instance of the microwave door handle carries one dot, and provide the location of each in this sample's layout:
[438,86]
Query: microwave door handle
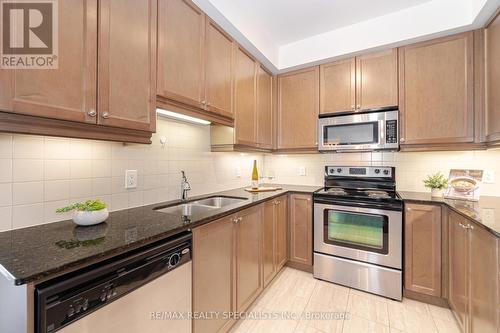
[381,139]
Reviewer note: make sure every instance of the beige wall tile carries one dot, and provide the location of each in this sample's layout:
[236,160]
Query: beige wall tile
[27,170]
[5,218]
[5,194]
[27,215]
[55,190]
[5,170]
[26,146]
[56,169]
[5,145]
[27,193]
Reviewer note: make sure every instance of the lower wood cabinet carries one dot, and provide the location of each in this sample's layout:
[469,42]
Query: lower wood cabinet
[473,275]
[422,268]
[274,238]
[300,226]
[248,257]
[227,267]
[213,273]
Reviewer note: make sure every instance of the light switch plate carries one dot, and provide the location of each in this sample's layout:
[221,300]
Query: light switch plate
[130,178]
[302,171]
[489,177]
[237,172]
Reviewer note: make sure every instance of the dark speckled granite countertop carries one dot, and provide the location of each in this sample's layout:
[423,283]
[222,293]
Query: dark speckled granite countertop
[485,212]
[40,252]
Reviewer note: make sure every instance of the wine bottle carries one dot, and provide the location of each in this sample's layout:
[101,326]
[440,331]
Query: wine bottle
[255,176]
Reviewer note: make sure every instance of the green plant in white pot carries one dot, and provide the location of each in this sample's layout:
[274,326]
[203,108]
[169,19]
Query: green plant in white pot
[437,183]
[87,213]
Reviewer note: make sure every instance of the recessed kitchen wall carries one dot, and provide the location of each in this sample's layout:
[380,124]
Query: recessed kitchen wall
[411,168]
[39,174]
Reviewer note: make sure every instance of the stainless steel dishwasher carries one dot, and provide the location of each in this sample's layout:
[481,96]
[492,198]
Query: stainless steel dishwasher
[147,291]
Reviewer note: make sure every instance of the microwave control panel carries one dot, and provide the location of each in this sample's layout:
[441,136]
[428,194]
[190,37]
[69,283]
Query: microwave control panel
[391,131]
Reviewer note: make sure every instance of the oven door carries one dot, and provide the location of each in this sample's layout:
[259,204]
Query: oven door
[363,234]
[367,131]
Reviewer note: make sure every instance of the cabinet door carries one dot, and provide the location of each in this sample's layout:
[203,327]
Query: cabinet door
[213,260]
[264,108]
[281,232]
[68,92]
[436,91]
[245,99]
[301,229]
[492,37]
[269,234]
[127,64]
[484,277]
[181,32]
[298,107]
[248,257]
[423,249]
[377,80]
[458,268]
[218,66]
[338,86]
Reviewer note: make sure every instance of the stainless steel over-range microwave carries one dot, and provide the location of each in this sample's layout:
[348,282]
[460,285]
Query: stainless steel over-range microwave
[367,131]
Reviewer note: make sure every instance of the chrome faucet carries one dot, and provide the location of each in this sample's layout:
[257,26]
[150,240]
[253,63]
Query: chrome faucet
[185,187]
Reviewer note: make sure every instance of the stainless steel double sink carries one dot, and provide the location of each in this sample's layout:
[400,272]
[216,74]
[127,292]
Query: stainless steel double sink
[199,205]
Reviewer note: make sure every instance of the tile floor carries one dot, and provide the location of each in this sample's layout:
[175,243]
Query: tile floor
[309,305]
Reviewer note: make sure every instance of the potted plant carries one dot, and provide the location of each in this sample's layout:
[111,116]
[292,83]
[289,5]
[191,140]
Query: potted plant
[437,183]
[87,213]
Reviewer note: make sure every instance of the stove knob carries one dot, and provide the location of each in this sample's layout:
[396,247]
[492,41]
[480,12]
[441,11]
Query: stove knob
[174,260]
[331,170]
[386,172]
[339,170]
[377,171]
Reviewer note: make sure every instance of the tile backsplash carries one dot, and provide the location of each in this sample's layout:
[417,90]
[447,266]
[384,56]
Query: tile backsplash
[411,168]
[39,174]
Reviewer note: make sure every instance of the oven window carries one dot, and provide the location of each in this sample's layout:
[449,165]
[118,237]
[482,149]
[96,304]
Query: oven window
[356,230]
[351,134]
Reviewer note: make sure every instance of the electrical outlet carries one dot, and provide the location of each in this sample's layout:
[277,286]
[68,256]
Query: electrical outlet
[488,216]
[130,178]
[302,171]
[489,177]
[237,172]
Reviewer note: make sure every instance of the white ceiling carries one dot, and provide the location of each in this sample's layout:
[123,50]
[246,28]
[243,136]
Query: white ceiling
[287,21]
[288,34]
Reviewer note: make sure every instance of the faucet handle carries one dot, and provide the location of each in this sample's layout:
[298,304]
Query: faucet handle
[183,174]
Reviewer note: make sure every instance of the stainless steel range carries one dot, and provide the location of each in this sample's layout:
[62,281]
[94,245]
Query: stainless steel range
[358,230]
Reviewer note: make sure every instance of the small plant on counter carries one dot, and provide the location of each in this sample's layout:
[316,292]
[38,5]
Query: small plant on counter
[87,213]
[86,206]
[437,183]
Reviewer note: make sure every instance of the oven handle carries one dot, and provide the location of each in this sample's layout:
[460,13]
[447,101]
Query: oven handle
[385,207]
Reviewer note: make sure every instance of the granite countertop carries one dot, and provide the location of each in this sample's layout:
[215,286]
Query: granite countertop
[485,212]
[39,252]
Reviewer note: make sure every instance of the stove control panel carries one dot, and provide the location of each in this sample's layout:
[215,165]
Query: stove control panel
[365,172]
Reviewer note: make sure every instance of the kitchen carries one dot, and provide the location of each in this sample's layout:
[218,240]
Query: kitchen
[214,166]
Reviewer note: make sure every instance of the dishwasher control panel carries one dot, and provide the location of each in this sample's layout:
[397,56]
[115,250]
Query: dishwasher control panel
[60,303]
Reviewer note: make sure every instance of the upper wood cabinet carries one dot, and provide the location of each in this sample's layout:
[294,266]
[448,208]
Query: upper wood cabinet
[70,91]
[366,82]
[213,273]
[492,70]
[195,59]
[245,98]
[436,91]
[218,69]
[300,226]
[377,80]
[298,107]
[338,86]
[181,35]
[422,269]
[127,75]
[100,79]
[264,108]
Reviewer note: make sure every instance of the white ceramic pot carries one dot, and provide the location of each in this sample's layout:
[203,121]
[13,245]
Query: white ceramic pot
[437,193]
[90,218]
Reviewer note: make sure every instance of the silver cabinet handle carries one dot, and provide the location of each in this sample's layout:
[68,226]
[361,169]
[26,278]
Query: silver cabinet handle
[92,113]
[203,102]
[237,219]
[105,115]
[358,106]
[402,140]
